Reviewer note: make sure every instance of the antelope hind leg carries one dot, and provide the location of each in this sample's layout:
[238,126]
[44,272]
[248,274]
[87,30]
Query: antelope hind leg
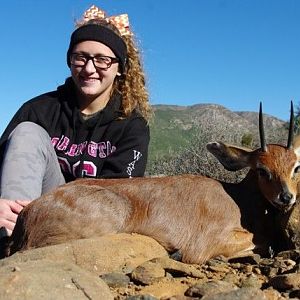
[240,244]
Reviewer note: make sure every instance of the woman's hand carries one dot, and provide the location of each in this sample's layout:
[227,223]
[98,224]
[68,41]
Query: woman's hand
[9,211]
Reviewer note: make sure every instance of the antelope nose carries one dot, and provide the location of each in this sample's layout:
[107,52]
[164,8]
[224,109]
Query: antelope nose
[286,197]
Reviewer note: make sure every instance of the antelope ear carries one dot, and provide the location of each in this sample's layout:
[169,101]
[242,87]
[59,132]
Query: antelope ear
[296,145]
[231,157]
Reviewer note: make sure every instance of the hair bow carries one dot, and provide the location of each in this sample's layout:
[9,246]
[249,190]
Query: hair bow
[121,22]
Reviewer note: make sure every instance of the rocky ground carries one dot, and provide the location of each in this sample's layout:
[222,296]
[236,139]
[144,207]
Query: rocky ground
[240,278]
[137,267]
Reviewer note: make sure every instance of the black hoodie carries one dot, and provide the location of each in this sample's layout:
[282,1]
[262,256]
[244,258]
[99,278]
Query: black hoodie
[104,146]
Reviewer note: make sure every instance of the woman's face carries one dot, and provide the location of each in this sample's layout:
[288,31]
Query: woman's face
[93,82]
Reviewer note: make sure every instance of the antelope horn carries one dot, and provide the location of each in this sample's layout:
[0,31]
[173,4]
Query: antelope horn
[291,128]
[261,130]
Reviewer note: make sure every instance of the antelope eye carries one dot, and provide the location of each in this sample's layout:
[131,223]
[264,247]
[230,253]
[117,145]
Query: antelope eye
[297,169]
[264,173]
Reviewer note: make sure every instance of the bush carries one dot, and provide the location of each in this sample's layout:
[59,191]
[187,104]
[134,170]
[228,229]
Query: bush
[195,159]
[247,140]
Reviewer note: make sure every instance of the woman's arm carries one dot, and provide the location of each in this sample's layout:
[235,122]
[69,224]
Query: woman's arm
[130,158]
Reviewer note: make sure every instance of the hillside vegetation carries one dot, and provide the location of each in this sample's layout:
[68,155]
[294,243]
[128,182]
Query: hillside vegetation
[179,135]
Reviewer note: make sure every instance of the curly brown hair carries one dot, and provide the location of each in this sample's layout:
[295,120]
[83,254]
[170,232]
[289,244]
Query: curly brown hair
[131,84]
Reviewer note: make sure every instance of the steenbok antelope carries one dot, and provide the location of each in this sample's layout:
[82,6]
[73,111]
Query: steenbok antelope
[199,216]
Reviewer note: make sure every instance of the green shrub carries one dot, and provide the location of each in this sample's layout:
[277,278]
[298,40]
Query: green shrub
[247,140]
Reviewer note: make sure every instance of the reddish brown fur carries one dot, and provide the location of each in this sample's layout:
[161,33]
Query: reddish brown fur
[172,213]
[199,216]
[282,162]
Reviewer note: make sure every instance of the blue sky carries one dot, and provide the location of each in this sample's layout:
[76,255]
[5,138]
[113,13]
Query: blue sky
[230,52]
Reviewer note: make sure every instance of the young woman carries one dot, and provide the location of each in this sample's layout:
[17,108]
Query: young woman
[94,125]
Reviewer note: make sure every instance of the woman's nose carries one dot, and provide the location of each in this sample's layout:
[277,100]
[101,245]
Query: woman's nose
[89,66]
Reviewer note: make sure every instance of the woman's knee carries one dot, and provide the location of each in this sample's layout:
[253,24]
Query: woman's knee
[28,137]
[28,129]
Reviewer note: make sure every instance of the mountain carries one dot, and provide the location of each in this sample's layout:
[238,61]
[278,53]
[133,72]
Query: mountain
[174,127]
[268,122]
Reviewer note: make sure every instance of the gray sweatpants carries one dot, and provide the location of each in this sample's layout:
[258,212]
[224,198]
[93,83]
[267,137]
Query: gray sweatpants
[30,167]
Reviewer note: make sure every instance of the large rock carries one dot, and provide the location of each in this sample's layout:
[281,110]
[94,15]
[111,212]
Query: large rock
[118,252]
[46,279]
